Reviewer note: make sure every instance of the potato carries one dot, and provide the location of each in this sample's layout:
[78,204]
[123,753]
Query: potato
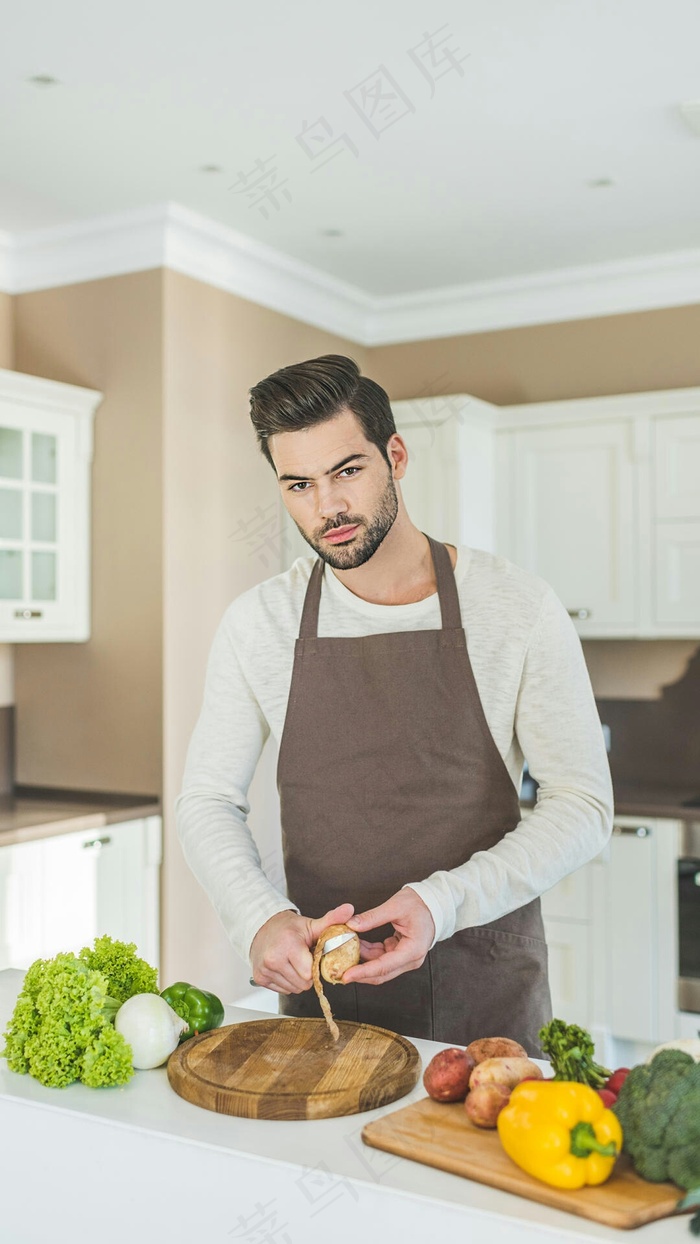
[505,1071]
[484,1104]
[446,1078]
[495,1047]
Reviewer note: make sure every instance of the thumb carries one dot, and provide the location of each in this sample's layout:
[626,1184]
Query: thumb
[372,919]
[339,915]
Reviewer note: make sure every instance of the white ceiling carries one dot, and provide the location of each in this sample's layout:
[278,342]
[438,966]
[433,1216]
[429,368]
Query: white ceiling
[486,178]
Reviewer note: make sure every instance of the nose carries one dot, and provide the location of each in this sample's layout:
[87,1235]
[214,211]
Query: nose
[330,507]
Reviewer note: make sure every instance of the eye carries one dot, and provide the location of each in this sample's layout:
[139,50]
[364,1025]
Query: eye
[295,487]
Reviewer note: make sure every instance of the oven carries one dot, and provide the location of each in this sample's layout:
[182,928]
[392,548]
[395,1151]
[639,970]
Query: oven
[689,918]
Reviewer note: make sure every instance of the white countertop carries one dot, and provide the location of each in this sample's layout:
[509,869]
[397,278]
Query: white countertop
[139,1163]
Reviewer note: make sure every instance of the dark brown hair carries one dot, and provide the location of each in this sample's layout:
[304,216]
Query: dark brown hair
[308,393]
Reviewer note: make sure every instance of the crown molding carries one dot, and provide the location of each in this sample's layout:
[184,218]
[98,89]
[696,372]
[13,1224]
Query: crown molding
[229,260]
[171,236]
[644,284]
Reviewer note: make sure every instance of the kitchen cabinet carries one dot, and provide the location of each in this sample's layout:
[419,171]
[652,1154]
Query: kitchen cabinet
[45,456]
[601,497]
[611,931]
[59,892]
[571,518]
[449,485]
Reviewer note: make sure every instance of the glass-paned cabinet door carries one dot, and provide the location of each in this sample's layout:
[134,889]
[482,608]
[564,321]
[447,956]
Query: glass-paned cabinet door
[45,453]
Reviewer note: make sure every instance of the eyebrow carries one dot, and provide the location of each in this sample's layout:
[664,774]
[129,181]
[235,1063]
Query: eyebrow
[338,465]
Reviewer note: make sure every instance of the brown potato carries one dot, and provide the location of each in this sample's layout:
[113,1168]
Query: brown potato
[505,1071]
[446,1078]
[484,1104]
[334,964]
[495,1047]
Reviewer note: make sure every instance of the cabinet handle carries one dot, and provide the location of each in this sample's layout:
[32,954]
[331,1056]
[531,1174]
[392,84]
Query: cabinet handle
[635,831]
[96,844]
[580,614]
[29,613]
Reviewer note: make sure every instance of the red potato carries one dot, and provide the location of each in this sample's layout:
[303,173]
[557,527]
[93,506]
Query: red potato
[495,1047]
[505,1071]
[446,1078]
[484,1104]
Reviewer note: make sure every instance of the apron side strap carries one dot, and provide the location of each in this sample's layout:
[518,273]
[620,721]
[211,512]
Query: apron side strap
[308,628]
[446,586]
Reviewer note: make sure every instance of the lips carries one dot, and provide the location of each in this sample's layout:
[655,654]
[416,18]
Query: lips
[340,533]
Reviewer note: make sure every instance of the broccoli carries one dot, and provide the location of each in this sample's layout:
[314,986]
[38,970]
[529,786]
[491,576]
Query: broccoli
[659,1110]
[61,1029]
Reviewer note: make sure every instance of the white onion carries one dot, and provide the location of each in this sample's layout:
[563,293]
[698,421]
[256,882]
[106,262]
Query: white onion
[151,1027]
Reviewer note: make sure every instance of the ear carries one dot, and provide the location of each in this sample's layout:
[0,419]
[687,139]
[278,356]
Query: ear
[398,455]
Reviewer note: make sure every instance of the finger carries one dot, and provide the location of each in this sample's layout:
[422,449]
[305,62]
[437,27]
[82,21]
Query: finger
[377,971]
[371,950]
[372,919]
[339,915]
[300,962]
[282,982]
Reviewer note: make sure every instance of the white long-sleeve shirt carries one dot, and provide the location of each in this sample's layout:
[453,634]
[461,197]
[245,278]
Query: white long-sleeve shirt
[539,705]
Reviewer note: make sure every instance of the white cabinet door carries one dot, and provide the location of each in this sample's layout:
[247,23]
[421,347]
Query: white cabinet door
[676,579]
[45,455]
[570,967]
[570,898]
[59,893]
[570,516]
[449,485]
[677,467]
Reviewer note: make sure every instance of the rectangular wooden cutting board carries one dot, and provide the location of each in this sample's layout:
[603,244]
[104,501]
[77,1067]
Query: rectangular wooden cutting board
[442,1136]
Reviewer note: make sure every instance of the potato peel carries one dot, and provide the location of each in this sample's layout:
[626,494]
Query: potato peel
[332,967]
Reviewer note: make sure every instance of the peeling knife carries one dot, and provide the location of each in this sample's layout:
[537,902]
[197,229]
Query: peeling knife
[334,942]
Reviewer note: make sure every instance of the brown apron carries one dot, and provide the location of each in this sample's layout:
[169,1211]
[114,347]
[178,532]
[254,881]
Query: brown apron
[388,772]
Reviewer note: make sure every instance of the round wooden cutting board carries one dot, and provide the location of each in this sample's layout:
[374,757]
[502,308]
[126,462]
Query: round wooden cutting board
[292,1069]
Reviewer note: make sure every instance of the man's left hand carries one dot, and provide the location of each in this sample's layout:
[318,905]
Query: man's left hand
[405,950]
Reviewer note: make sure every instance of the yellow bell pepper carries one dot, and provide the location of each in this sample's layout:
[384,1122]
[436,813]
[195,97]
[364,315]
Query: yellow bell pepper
[560,1132]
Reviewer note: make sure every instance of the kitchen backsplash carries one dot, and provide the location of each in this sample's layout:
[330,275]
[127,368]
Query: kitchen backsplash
[657,742]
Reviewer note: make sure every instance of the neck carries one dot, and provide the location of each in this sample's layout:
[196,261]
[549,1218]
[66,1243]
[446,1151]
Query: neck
[399,573]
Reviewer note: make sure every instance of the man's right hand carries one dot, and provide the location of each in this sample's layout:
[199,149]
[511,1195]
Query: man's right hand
[280,954]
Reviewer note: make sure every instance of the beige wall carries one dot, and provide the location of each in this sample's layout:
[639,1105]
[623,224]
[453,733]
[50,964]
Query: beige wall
[89,715]
[581,358]
[217,488]
[6,330]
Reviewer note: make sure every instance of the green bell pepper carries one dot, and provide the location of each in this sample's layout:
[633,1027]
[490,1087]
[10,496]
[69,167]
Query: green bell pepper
[202,1011]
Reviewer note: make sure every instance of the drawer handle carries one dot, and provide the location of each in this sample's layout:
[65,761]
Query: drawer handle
[29,613]
[633,831]
[96,844]
[580,614]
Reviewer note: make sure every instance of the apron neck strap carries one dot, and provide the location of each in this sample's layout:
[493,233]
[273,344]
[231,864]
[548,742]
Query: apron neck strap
[446,586]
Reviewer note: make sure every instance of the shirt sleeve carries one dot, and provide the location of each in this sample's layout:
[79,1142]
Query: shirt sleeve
[211,810]
[559,732]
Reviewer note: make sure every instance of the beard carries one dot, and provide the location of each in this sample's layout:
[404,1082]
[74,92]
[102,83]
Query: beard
[366,540]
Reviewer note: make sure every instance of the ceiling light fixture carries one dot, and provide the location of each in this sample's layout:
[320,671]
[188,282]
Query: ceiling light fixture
[690,113]
[43,79]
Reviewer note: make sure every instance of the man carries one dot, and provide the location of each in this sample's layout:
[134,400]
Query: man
[404,680]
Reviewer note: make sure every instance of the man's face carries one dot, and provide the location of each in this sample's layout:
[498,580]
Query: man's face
[339,479]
